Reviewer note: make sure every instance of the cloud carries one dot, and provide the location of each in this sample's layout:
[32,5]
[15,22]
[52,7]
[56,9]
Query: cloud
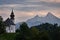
[24,1]
[25,9]
[32,6]
[29,5]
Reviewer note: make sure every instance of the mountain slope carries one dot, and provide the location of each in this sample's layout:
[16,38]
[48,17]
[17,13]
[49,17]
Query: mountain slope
[49,18]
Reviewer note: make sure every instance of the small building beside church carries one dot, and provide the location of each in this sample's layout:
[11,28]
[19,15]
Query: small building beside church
[10,25]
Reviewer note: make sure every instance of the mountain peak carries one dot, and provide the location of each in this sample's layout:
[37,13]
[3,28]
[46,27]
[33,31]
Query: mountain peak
[50,14]
[37,16]
[50,18]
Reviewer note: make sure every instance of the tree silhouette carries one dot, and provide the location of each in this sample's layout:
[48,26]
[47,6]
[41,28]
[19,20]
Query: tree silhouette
[2,25]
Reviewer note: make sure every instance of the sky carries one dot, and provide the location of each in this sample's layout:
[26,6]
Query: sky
[26,9]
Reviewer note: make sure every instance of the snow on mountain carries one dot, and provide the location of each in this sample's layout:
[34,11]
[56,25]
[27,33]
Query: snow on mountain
[33,21]
[49,18]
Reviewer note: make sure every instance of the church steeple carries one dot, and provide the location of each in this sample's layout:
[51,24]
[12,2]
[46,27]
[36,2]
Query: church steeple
[12,15]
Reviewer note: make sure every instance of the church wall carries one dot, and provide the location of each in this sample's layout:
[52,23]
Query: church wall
[10,29]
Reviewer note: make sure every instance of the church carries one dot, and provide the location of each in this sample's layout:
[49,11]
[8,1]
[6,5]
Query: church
[10,25]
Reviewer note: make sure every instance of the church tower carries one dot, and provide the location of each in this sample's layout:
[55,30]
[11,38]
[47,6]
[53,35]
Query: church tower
[12,15]
[10,25]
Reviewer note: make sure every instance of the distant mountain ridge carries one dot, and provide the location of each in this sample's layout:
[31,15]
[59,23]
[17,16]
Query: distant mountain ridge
[49,18]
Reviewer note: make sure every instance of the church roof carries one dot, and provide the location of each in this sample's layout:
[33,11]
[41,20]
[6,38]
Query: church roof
[9,22]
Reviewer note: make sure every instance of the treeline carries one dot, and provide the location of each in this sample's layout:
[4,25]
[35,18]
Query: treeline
[44,31]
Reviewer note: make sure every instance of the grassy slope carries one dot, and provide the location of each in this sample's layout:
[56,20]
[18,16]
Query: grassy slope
[9,36]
